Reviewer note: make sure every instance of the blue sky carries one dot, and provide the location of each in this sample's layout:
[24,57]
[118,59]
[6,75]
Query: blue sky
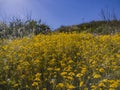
[58,12]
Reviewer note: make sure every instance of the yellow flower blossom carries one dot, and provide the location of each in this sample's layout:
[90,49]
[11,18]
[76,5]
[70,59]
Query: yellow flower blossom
[35,84]
[81,83]
[61,61]
[15,85]
[63,73]
[96,76]
[38,75]
[101,85]
[101,70]
[60,85]
[69,86]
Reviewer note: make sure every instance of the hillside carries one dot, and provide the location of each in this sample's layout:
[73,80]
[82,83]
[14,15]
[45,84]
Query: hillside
[98,27]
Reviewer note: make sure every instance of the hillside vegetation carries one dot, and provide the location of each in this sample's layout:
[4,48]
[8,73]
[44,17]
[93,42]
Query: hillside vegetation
[76,61]
[95,27]
[18,28]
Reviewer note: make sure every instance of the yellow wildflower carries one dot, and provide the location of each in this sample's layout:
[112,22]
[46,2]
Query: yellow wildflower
[96,76]
[63,73]
[101,70]
[60,85]
[81,83]
[16,85]
[35,84]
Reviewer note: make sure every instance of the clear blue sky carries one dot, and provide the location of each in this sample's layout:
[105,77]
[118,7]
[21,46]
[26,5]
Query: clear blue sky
[58,12]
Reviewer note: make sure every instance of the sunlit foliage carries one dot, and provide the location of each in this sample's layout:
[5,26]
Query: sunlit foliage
[61,62]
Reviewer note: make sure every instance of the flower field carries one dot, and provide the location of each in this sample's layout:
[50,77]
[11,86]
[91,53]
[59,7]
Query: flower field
[61,62]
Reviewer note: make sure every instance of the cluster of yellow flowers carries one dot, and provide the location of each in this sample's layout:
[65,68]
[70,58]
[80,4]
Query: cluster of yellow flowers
[61,62]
